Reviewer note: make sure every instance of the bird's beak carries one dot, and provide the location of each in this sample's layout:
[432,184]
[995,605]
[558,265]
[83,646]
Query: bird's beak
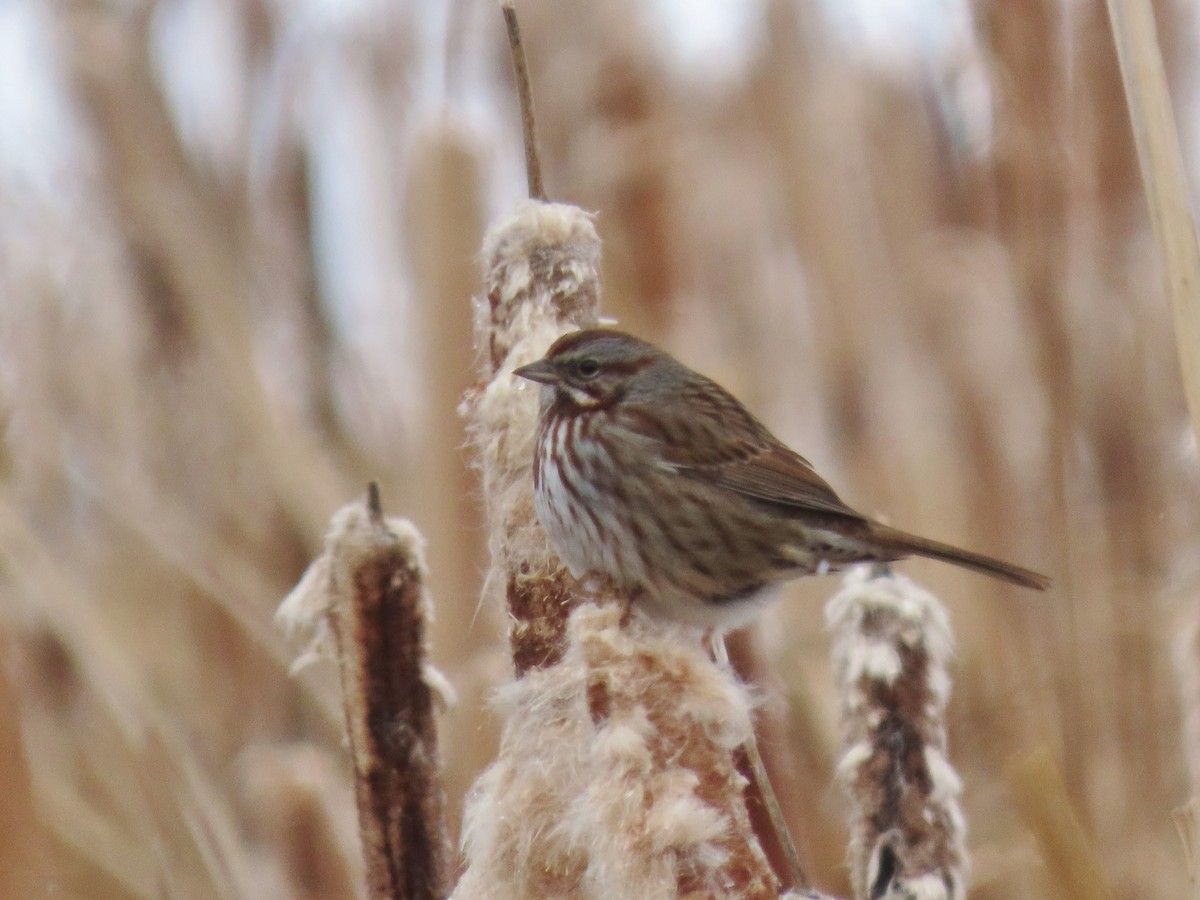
[541,372]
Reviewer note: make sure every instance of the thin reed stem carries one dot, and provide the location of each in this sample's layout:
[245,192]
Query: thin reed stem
[533,162]
[763,782]
[1163,177]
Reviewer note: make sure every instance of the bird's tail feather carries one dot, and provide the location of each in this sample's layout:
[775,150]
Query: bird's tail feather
[910,544]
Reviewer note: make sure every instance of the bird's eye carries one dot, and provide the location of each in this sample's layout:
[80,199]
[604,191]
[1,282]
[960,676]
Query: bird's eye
[587,368]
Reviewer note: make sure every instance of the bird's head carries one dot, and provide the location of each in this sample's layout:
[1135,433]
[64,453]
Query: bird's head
[592,369]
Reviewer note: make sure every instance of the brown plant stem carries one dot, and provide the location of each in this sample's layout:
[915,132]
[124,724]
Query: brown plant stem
[766,792]
[533,162]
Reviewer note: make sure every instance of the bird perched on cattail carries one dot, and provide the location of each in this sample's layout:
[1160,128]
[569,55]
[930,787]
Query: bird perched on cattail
[656,478]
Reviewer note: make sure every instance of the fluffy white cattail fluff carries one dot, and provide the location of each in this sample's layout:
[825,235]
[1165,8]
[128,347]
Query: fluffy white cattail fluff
[615,776]
[891,644]
[542,280]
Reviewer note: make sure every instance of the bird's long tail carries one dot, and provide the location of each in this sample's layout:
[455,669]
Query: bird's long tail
[906,544]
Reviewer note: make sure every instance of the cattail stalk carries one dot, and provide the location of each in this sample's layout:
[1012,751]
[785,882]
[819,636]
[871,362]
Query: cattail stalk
[616,775]
[367,591]
[891,643]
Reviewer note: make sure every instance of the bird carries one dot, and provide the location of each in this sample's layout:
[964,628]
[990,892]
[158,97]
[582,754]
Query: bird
[656,480]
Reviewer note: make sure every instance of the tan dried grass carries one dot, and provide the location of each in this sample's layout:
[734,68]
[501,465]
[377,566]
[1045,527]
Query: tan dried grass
[967,337]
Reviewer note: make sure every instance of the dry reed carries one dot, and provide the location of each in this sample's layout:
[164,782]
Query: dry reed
[1164,178]
[931,271]
[1072,866]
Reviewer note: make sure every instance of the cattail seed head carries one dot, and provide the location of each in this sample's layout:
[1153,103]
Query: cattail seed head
[891,645]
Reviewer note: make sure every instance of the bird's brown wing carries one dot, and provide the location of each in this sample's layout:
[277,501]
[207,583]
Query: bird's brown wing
[777,475]
[719,441]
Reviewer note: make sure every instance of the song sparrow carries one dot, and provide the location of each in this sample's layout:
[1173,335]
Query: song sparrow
[654,477]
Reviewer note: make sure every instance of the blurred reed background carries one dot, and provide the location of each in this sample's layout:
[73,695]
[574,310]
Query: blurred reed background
[237,242]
